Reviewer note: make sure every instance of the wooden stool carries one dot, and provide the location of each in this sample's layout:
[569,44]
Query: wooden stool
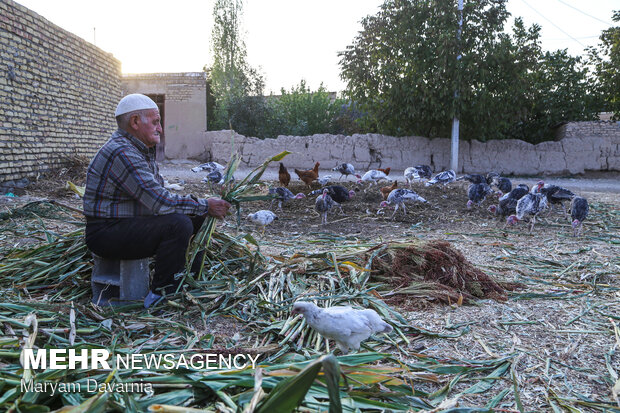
[116,282]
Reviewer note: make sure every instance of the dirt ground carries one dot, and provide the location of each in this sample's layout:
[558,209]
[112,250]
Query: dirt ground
[562,323]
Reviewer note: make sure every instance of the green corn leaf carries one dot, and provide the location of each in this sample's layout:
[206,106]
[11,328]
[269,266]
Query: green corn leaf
[290,393]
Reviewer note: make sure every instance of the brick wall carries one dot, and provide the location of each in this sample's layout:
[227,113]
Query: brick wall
[589,129]
[57,94]
[177,87]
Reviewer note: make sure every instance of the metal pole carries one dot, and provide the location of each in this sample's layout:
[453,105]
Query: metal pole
[454,164]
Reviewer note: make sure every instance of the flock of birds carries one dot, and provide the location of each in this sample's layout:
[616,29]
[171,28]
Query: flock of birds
[514,203]
[348,327]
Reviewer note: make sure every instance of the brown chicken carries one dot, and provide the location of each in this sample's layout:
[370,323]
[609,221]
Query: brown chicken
[310,175]
[385,191]
[386,171]
[283,176]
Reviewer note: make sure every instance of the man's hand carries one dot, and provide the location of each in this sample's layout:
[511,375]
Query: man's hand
[218,208]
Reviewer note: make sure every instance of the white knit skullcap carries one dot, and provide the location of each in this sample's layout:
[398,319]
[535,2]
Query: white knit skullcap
[135,101]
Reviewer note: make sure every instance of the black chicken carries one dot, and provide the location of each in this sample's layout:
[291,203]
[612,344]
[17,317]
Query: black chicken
[508,202]
[578,212]
[502,184]
[338,193]
[473,178]
[477,193]
[283,195]
[554,194]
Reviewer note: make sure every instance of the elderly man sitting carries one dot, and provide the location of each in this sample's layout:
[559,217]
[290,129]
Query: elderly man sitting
[129,213]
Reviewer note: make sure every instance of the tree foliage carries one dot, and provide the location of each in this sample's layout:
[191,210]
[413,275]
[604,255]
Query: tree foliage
[562,91]
[305,112]
[231,78]
[606,61]
[402,70]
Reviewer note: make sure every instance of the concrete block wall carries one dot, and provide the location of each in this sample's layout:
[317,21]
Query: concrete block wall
[512,157]
[57,94]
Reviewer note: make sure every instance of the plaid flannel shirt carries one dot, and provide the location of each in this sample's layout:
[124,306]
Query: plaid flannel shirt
[123,181]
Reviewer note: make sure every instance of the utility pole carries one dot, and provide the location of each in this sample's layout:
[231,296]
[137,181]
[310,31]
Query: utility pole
[454,164]
[95,36]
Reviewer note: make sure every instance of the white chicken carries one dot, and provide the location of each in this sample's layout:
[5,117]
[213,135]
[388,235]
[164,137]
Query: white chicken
[398,197]
[262,218]
[174,187]
[373,176]
[346,326]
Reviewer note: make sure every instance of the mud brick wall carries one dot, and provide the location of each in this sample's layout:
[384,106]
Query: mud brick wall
[57,94]
[184,110]
[574,154]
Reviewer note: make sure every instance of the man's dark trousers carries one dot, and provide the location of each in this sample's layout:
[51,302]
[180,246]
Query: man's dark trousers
[164,236]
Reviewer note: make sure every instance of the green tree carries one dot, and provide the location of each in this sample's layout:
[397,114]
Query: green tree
[562,91]
[231,78]
[402,70]
[304,112]
[606,61]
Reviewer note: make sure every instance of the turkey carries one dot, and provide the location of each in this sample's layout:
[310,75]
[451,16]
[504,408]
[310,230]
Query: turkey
[262,218]
[578,212]
[215,177]
[531,204]
[283,195]
[398,197]
[346,169]
[346,326]
[373,176]
[338,193]
[323,204]
[508,202]
[473,178]
[417,173]
[477,193]
[554,194]
[324,180]
[502,184]
[444,178]
[208,167]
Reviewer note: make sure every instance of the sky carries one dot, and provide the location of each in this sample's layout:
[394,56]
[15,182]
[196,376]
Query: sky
[289,40]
